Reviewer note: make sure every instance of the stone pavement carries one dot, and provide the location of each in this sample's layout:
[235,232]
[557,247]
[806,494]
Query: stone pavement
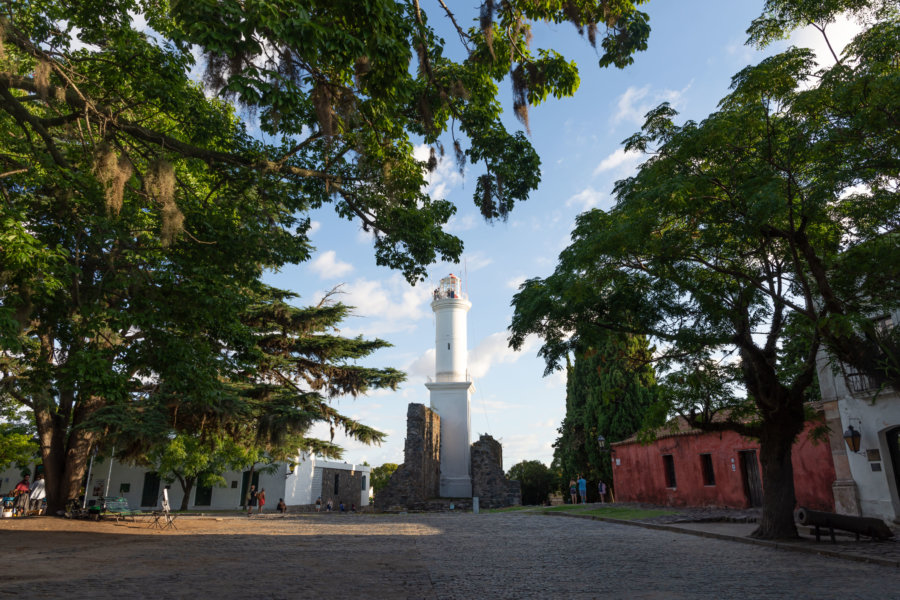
[445,556]
[737,525]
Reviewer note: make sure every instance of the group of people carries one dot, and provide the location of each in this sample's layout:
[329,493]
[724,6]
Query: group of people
[29,496]
[329,506]
[578,488]
[258,499]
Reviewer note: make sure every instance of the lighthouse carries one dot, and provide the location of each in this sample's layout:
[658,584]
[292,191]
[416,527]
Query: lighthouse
[451,387]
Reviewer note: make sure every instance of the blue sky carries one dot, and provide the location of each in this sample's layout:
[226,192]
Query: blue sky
[695,47]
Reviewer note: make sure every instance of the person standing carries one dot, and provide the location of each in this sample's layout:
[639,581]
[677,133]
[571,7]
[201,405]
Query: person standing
[252,501]
[582,489]
[601,489]
[573,491]
[261,499]
[21,493]
[319,504]
[38,493]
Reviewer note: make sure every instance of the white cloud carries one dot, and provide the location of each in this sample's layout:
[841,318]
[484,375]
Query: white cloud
[637,102]
[314,226]
[422,367]
[556,380]
[494,349]
[515,282]
[384,306]
[620,161]
[445,176]
[586,199]
[476,261]
[464,223]
[327,265]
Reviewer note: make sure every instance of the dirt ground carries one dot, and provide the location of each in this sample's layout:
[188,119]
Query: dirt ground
[225,557]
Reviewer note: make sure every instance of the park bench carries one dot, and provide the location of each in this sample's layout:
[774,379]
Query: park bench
[118,508]
[867,526]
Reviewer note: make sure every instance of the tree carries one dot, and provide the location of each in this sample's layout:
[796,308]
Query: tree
[190,461]
[537,481]
[281,383]
[610,391]
[382,475]
[138,214]
[17,443]
[740,236]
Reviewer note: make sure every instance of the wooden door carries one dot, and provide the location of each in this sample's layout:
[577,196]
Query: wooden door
[750,473]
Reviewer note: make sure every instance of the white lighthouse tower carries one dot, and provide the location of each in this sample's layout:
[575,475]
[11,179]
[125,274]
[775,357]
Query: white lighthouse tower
[451,387]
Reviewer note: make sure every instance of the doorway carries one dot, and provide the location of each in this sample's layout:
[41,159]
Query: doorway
[893,443]
[750,474]
[245,484]
[150,493]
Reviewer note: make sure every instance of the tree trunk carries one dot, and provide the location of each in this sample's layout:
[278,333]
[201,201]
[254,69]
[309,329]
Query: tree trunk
[249,485]
[187,484]
[65,450]
[775,447]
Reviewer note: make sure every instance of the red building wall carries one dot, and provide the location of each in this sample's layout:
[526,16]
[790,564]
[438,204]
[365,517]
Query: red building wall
[639,472]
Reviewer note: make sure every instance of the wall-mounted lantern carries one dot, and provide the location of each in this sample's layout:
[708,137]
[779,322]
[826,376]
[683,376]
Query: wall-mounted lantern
[852,436]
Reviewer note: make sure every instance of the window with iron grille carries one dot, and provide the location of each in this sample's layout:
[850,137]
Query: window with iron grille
[706,465]
[669,467]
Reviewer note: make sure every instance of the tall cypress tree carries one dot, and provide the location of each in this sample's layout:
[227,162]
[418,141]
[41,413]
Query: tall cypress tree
[611,391]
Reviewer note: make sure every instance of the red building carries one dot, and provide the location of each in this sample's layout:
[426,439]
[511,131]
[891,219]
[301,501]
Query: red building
[688,467]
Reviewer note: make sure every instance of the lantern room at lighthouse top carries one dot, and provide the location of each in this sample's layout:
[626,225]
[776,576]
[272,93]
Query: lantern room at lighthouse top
[450,288]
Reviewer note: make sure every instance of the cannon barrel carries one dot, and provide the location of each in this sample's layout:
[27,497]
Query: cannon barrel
[868,526]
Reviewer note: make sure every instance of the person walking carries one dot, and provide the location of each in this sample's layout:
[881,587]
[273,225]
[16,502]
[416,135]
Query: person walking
[252,500]
[261,500]
[582,489]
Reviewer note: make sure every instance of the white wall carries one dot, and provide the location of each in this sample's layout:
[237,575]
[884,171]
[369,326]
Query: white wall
[296,488]
[872,415]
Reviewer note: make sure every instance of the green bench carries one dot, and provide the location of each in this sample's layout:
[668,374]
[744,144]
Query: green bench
[118,508]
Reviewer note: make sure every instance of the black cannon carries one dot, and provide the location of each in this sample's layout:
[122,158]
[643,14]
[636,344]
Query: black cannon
[868,526]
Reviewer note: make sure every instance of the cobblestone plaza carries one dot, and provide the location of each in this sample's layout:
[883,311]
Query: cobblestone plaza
[507,555]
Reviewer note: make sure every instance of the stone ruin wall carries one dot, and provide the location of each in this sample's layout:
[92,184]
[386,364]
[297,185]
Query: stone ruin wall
[415,485]
[489,482]
[418,479]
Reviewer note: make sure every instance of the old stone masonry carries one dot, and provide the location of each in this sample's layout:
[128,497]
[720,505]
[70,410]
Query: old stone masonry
[415,484]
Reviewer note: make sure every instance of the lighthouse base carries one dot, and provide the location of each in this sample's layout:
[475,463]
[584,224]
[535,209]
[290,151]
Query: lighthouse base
[450,400]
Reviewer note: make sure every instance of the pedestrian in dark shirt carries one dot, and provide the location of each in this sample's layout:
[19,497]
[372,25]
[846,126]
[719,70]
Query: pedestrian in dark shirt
[252,502]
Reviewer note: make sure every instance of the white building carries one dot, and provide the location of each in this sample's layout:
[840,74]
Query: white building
[299,484]
[868,480]
[451,388]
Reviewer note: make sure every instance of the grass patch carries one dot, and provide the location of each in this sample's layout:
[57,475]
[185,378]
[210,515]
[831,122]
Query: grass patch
[615,512]
[508,509]
[629,514]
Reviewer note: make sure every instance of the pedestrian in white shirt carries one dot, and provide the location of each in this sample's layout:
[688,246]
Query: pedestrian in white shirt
[38,493]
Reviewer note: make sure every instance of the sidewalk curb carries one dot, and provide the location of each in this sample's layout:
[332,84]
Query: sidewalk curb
[744,540]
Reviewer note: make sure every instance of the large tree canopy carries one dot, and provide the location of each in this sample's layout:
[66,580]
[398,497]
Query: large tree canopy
[770,225]
[137,213]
